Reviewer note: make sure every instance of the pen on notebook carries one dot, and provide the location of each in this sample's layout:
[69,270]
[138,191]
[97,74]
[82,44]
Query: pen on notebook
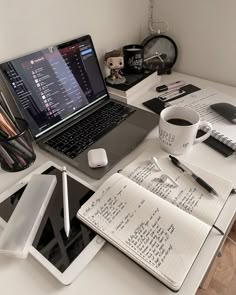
[65,202]
[198,179]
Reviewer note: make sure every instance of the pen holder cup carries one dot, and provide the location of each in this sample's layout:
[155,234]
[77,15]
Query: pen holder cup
[16,152]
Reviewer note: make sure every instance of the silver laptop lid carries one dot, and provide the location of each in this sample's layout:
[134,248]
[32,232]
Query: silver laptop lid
[52,85]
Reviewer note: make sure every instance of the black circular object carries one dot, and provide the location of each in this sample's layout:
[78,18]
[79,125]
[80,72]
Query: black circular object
[160,53]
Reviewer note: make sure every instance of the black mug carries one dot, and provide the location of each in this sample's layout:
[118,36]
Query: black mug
[133,58]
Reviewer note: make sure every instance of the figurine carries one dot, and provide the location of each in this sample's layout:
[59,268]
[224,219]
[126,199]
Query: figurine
[115,62]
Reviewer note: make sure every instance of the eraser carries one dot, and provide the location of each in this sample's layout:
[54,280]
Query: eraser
[161,88]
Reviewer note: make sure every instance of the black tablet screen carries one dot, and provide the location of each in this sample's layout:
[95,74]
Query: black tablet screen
[51,240]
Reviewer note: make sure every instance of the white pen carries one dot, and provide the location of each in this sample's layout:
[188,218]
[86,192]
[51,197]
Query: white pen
[65,202]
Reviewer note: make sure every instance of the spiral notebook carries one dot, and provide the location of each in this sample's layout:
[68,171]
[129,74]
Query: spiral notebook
[224,131]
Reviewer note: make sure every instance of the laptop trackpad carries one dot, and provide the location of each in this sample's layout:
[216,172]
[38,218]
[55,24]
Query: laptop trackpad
[122,139]
[117,144]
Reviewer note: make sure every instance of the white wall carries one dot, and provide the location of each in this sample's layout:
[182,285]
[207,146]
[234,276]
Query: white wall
[203,29]
[28,25]
[205,33]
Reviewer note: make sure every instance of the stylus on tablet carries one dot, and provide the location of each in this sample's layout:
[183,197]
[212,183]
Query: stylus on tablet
[65,202]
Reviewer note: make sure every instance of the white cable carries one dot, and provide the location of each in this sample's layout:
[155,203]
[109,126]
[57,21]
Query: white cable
[151,30]
[150,17]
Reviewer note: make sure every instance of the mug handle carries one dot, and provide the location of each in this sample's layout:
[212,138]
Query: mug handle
[207,126]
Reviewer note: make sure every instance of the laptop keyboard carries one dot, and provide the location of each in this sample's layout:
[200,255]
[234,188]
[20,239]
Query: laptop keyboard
[81,135]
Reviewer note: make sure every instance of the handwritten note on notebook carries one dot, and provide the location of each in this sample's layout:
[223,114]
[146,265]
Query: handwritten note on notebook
[189,196]
[157,224]
[151,231]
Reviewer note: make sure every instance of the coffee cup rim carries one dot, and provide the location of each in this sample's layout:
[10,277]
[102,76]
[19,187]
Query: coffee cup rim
[193,120]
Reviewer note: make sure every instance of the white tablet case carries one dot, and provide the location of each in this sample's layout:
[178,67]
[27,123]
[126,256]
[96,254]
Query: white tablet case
[20,231]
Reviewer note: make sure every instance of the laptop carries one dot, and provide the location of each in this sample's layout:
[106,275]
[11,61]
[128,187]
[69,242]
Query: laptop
[61,93]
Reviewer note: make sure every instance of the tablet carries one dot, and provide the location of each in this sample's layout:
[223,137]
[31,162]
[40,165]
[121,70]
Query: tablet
[63,257]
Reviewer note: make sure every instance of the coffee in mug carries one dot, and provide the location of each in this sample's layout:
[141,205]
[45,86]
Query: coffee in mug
[179,122]
[178,129]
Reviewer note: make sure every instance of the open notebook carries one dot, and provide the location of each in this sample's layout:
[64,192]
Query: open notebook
[159,225]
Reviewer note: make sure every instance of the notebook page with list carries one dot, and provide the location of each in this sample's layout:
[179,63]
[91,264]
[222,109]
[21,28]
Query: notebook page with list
[157,235]
[189,195]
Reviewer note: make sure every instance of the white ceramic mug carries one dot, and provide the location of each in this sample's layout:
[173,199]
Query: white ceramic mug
[178,128]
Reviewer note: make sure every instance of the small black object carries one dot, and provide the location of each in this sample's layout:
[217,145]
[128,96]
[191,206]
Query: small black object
[161,88]
[233,191]
[226,110]
[160,53]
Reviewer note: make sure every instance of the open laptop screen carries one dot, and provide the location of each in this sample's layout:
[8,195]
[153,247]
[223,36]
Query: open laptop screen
[56,83]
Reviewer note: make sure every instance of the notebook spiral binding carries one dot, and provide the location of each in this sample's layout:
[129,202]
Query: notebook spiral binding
[224,139]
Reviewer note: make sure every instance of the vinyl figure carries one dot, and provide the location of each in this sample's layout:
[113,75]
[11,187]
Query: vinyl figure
[115,62]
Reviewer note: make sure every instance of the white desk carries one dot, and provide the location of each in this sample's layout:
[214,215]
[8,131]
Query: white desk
[110,272]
